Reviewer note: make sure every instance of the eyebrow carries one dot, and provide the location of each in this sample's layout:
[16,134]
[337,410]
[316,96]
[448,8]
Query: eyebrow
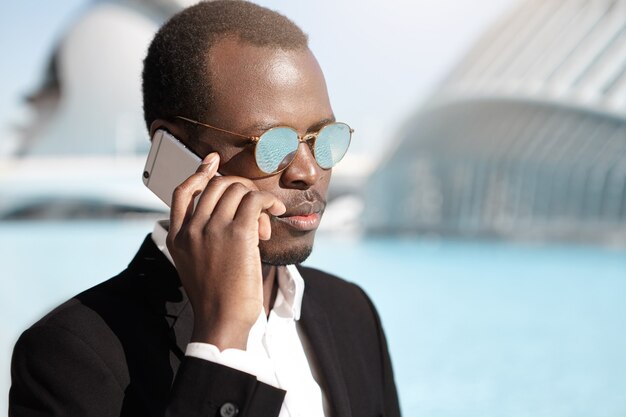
[262,127]
[317,126]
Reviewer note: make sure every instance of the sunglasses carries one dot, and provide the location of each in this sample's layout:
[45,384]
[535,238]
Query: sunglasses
[276,148]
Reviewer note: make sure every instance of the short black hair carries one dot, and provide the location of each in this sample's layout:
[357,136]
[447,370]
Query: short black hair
[175,74]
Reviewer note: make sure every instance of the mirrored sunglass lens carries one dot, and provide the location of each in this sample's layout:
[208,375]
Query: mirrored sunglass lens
[276,148]
[331,144]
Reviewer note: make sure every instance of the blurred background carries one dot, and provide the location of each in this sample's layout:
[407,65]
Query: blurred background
[482,205]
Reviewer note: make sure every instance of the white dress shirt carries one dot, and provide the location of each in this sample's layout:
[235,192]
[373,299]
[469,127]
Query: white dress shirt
[275,351]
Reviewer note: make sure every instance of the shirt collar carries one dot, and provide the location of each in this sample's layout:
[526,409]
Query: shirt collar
[288,302]
[159,235]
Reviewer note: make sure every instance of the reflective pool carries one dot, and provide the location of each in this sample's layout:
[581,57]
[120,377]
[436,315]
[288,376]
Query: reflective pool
[475,328]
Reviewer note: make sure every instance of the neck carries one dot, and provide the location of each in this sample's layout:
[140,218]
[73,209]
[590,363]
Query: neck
[270,286]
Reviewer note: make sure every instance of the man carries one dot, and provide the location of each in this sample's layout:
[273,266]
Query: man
[212,318]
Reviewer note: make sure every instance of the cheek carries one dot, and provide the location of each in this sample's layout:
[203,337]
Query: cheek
[239,162]
[323,182]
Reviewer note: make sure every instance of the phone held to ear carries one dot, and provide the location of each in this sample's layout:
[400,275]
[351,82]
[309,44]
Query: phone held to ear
[169,163]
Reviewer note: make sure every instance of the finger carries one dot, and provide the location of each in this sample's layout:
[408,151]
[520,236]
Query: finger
[255,203]
[184,195]
[212,194]
[265,227]
[210,197]
[227,205]
[245,181]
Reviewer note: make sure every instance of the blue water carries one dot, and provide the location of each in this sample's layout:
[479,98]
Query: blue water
[474,328]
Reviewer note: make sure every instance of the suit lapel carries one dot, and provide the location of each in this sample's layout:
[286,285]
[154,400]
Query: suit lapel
[316,325]
[180,332]
[165,294]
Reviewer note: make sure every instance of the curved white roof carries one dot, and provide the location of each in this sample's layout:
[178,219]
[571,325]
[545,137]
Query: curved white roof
[569,52]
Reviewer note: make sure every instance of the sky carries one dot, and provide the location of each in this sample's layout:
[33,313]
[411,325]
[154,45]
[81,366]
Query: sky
[381,59]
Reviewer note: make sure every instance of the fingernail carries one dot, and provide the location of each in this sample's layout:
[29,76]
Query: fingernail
[210,159]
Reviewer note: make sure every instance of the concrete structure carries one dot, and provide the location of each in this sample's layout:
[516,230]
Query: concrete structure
[84,151]
[89,101]
[526,138]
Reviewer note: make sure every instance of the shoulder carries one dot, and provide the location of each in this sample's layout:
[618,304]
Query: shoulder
[320,283]
[79,313]
[340,298]
[128,309]
[123,301]
[84,323]
[70,347]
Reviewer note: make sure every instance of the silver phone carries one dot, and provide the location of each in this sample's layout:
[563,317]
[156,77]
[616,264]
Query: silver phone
[169,163]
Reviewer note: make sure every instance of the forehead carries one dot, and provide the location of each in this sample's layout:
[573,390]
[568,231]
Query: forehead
[263,84]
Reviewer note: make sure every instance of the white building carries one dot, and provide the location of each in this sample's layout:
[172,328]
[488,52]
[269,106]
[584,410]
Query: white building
[84,150]
[526,138]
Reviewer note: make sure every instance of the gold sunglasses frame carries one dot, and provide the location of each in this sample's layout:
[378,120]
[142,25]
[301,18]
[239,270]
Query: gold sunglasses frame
[301,139]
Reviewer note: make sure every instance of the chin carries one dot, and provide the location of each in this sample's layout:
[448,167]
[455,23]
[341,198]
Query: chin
[286,250]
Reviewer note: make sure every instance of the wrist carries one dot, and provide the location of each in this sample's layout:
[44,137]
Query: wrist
[223,335]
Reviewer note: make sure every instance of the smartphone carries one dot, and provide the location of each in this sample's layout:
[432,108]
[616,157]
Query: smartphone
[169,163]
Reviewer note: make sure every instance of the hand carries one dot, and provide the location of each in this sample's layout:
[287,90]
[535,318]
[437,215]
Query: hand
[215,247]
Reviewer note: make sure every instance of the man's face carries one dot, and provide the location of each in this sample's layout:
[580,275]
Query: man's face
[256,88]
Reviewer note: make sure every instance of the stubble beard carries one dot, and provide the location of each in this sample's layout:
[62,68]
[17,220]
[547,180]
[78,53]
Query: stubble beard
[288,255]
[287,247]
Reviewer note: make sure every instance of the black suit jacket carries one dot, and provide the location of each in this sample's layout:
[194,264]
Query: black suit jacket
[117,349]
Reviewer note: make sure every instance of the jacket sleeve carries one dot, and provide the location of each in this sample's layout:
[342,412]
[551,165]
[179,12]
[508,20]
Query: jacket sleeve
[251,398]
[55,373]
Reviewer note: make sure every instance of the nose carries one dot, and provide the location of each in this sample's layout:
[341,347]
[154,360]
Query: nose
[303,172]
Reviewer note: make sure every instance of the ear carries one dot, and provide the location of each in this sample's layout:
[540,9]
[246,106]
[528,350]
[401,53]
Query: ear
[174,128]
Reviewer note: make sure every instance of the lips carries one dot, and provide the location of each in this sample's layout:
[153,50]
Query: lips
[304,217]
[302,223]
